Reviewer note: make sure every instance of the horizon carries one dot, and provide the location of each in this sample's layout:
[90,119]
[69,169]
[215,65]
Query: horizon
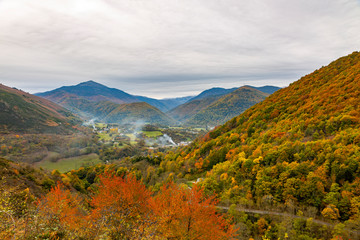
[166,49]
[147,96]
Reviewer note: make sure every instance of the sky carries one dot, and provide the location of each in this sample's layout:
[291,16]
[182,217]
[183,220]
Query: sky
[171,48]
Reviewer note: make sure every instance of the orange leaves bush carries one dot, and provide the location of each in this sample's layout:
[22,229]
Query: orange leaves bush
[123,208]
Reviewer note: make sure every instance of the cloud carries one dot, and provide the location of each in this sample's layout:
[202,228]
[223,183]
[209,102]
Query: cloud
[158,47]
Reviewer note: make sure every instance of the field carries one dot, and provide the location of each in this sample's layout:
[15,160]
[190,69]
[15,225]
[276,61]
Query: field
[105,137]
[67,164]
[152,134]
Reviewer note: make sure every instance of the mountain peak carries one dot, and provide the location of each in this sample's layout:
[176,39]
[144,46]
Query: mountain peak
[90,83]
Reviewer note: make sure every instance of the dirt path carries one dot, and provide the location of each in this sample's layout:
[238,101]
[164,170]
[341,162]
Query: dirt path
[264,212]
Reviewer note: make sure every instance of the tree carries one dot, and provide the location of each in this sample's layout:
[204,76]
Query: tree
[187,214]
[62,213]
[122,208]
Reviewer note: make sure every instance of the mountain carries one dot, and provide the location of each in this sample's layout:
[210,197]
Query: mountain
[24,112]
[213,92]
[171,103]
[90,90]
[211,107]
[187,110]
[195,104]
[297,149]
[116,113]
[265,89]
[140,111]
[227,107]
[97,92]
[153,102]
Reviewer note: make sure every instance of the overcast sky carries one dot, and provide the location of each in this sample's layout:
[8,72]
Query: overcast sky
[171,48]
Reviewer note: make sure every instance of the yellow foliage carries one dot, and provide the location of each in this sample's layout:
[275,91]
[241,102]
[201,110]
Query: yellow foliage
[331,212]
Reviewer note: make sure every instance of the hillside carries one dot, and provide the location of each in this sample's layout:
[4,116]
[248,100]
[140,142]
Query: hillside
[187,110]
[221,111]
[110,112]
[132,112]
[227,107]
[300,147]
[21,176]
[172,103]
[24,112]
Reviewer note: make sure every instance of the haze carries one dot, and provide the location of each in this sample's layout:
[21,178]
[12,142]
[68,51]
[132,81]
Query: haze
[169,48]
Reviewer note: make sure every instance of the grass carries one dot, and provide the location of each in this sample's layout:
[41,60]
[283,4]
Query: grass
[100,125]
[67,164]
[152,134]
[132,138]
[104,137]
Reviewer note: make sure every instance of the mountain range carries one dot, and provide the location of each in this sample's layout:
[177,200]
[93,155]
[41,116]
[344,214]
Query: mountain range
[94,100]
[227,107]
[97,92]
[217,105]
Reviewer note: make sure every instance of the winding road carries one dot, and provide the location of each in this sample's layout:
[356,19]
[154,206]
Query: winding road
[264,212]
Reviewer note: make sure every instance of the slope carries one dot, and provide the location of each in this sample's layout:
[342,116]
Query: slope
[23,112]
[197,104]
[140,111]
[227,107]
[189,109]
[299,147]
[21,176]
[172,103]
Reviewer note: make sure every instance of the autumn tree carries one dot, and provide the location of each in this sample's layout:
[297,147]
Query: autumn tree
[187,214]
[122,208]
[60,214]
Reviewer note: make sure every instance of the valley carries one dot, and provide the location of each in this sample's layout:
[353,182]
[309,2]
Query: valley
[280,164]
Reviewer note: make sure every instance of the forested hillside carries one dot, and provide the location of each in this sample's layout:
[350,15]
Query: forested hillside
[140,111]
[227,107]
[299,147]
[215,106]
[23,112]
[187,110]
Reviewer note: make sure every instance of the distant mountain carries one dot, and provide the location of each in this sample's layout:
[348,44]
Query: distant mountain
[24,112]
[227,107]
[97,92]
[208,97]
[110,112]
[213,92]
[187,110]
[89,90]
[265,89]
[153,102]
[171,103]
[195,104]
[140,111]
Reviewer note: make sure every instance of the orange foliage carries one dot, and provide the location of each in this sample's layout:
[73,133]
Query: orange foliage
[122,206]
[187,214]
[60,206]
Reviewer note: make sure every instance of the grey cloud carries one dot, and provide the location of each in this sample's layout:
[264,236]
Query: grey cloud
[158,47]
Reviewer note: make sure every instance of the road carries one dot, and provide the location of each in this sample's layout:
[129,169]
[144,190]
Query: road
[264,212]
